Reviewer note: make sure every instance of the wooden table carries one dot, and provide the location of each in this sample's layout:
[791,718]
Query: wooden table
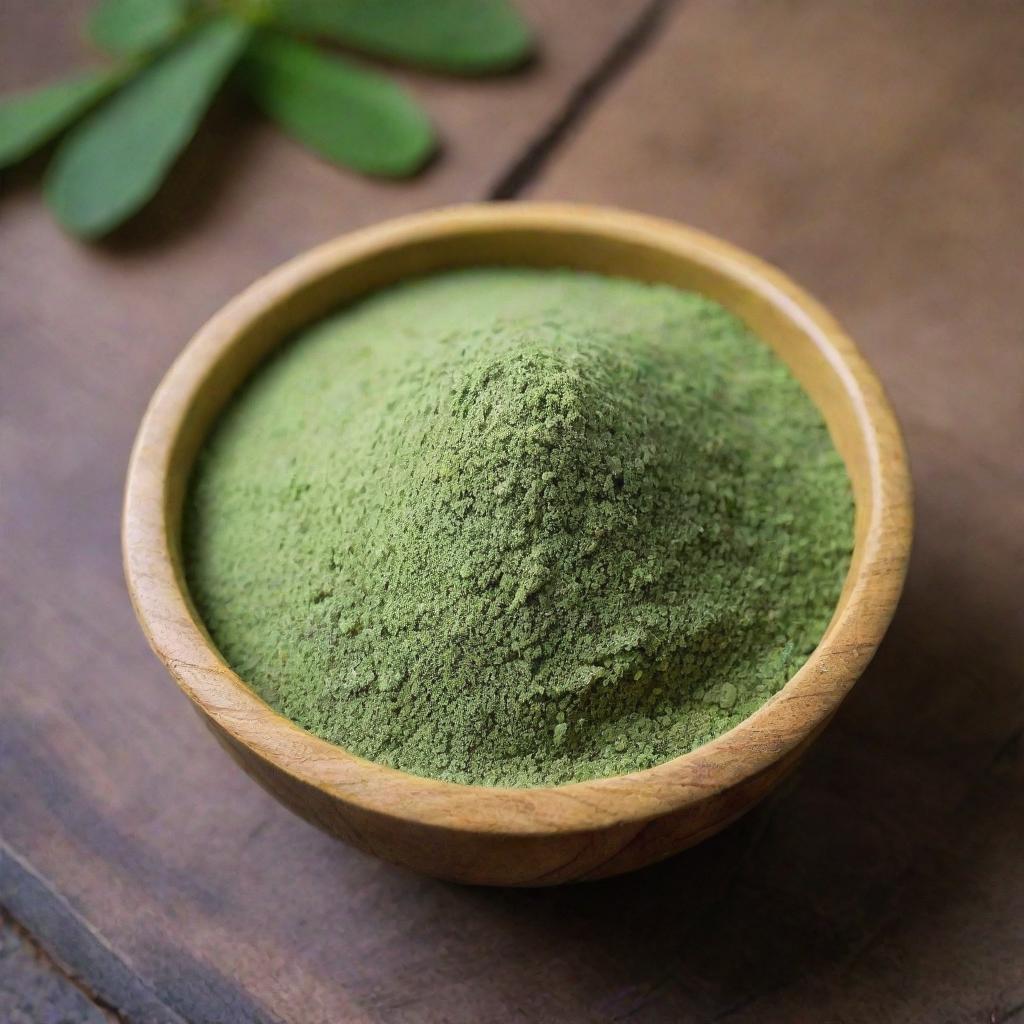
[874,150]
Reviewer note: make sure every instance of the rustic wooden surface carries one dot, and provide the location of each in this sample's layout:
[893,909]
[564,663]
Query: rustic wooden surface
[874,151]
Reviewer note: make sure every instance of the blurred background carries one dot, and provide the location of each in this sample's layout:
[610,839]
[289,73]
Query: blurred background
[874,151]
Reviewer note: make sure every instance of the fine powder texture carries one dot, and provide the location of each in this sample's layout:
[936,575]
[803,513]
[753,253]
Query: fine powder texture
[517,527]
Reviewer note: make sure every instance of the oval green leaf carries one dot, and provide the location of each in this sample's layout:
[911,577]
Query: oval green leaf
[128,27]
[115,160]
[467,37]
[29,119]
[351,116]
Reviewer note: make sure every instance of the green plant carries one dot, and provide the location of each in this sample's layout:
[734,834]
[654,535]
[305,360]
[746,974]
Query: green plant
[124,126]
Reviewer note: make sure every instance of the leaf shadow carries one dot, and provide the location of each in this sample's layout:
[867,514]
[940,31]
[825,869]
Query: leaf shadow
[24,177]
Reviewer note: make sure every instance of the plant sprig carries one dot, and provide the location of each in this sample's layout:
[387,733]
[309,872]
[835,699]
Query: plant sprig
[124,126]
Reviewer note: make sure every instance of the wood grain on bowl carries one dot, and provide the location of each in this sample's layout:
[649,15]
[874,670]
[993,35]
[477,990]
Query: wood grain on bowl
[534,836]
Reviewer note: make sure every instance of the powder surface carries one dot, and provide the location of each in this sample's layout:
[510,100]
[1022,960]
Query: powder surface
[517,527]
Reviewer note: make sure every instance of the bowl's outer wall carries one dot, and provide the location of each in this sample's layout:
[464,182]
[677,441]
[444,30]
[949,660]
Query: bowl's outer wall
[478,834]
[501,858]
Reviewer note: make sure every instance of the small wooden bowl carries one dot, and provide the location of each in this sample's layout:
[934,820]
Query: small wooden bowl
[539,836]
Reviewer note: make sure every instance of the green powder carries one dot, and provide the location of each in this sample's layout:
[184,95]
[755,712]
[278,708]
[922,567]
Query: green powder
[519,527]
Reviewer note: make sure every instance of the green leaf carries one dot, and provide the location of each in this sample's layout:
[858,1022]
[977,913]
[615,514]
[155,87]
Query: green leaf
[128,27]
[114,161]
[28,119]
[350,116]
[468,37]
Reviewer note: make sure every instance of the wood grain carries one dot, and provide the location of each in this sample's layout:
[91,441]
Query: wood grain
[545,835]
[872,150]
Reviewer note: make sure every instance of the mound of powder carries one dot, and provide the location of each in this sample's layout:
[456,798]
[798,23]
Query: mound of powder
[517,527]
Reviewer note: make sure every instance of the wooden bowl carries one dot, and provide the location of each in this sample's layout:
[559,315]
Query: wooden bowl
[540,836]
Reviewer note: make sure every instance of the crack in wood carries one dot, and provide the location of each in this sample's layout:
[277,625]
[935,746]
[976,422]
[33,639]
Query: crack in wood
[25,967]
[76,946]
[617,61]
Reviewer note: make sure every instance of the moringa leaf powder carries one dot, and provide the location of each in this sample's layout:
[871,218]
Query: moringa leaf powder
[519,527]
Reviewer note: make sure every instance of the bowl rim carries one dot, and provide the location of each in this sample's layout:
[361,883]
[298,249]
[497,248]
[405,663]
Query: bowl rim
[786,721]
